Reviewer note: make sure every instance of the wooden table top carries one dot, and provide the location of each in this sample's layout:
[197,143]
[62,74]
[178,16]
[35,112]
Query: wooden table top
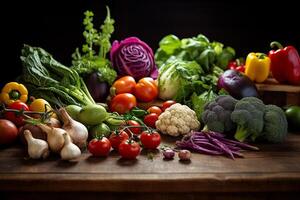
[275,168]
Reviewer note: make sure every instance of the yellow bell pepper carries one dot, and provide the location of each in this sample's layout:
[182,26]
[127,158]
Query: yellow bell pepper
[12,92]
[257,67]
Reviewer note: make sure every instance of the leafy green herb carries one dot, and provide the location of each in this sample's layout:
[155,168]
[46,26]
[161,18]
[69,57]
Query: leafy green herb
[48,79]
[89,61]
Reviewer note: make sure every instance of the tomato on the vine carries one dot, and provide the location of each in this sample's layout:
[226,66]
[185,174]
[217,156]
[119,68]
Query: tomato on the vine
[146,90]
[116,138]
[134,130]
[99,147]
[129,149]
[167,104]
[150,119]
[124,84]
[155,109]
[150,140]
[122,103]
[16,118]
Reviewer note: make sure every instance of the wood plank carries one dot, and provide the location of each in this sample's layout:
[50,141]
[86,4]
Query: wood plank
[272,85]
[274,168]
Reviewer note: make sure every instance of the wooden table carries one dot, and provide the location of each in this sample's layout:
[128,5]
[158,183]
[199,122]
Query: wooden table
[271,173]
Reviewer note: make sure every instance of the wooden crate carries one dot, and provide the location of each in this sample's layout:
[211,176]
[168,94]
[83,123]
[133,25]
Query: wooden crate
[274,93]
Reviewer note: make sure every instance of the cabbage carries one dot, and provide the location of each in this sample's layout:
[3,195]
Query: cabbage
[133,57]
[177,78]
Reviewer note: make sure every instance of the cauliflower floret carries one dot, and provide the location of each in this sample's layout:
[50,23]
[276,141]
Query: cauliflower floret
[177,120]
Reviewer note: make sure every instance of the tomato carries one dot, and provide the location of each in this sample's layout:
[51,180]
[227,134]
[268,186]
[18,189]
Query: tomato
[167,104]
[99,147]
[155,109]
[125,84]
[41,105]
[15,117]
[122,103]
[150,140]
[150,119]
[8,132]
[129,149]
[116,138]
[146,90]
[135,131]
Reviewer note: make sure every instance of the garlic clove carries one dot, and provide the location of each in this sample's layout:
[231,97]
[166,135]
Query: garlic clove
[55,137]
[76,130]
[37,148]
[70,151]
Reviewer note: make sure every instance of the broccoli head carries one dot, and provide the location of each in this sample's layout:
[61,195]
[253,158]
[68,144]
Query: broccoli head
[275,124]
[217,114]
[248,114]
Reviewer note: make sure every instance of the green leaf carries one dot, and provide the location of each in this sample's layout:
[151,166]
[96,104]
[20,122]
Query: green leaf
[169,44]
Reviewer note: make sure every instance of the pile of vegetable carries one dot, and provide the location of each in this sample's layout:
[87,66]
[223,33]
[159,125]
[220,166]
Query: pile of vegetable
[94,104]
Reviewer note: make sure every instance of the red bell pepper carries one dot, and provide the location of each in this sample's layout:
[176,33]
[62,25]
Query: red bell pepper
[285,64]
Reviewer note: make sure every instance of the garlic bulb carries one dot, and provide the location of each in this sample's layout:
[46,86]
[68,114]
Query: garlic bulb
[70,151]
[37,148]
[76,130]
[55,137]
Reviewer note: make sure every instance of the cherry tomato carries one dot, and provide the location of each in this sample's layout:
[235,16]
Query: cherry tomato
[135,131]
[150,119]
[155,109]
[146,90]
[122,103]
[129,149]
[167,104]
[124,84]
[117,137]
[15,117]
[99,147]
[150,140]
[8,132]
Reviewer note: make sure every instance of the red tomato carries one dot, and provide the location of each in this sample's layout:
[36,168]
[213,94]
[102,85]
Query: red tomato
[135,131]
[150,119]
[146,90]
[14,117]
[167,104]
[122,103]
[125,84]
[129,149]
[116,138]
[8,132]
[99,147]
[155,109]
[150,140]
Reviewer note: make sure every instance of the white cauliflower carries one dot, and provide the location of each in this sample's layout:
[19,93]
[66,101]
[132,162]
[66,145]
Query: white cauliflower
[177,120]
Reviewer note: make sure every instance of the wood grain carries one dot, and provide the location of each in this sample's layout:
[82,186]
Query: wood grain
[272,85]
[275,168]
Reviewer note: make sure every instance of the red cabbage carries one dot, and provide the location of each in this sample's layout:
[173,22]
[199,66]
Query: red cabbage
[133,57]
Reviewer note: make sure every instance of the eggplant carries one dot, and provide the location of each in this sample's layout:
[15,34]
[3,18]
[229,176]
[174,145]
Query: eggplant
[99,90]
[237,84]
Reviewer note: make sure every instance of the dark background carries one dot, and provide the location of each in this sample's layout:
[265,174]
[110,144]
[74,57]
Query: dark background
[57,26]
